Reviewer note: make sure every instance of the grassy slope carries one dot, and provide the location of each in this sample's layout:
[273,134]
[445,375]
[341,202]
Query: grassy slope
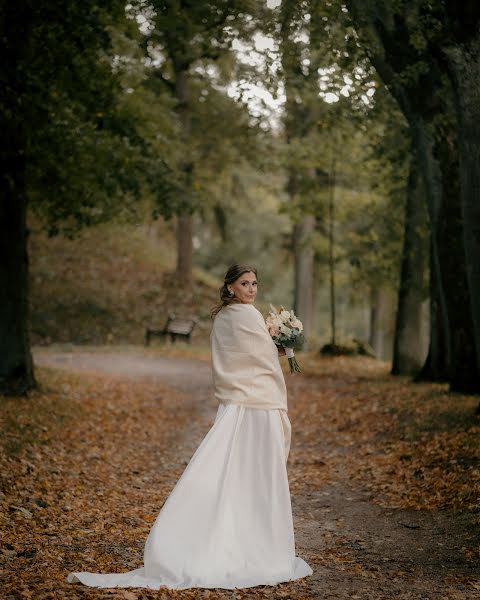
[109,284]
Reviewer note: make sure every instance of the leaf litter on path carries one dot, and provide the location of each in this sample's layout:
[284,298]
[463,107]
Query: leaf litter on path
[382,472]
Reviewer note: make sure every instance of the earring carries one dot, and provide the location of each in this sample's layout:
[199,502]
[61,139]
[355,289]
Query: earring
[230,293]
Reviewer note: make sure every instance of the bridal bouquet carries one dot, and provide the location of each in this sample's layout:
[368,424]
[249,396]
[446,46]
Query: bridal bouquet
[287,331]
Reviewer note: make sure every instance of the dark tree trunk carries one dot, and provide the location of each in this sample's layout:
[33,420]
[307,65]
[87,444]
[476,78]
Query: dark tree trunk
[304,269]
[16,365]
[440,354]
[435,367]
[184,220]
[407,347]
[463,372]
[464,65]
[421,101]
[439,162]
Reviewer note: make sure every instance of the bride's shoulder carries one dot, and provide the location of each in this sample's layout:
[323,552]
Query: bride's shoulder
[239,310]
[240,307]
[245,312]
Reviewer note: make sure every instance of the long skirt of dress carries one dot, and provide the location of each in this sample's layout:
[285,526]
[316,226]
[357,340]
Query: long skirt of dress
[228,521]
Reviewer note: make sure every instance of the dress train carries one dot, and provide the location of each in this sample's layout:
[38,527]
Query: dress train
[228,521]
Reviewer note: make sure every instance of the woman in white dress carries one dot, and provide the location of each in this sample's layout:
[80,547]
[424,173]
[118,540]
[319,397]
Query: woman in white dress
[228,521]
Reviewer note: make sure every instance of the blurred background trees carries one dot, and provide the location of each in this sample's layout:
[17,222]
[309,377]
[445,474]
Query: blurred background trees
[149,145]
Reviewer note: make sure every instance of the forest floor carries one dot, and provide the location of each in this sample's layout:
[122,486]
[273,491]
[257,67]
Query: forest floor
[383,474]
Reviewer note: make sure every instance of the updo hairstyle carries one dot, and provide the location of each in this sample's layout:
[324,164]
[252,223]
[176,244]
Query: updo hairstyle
[234,272]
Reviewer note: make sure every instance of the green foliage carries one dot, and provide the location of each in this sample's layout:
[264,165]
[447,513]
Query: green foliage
[178,88]
[99,109]
[84,158]
[358,143]
[372,245]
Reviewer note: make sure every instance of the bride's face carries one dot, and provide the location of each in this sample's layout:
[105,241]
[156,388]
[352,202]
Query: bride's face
[245,288]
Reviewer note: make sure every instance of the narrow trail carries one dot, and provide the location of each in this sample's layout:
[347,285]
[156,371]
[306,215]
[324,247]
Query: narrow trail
[357,548]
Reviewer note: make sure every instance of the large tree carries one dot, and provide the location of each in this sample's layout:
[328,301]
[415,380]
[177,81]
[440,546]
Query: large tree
[324,79]
[402,40]
[407,348]
[67,151]
[304,50]
[299,84]
[458,40]
[185,43]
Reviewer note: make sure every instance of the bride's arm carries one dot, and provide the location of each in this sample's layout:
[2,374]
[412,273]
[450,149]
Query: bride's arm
[251,333]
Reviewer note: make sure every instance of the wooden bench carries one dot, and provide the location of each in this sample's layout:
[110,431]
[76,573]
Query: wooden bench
[174,327]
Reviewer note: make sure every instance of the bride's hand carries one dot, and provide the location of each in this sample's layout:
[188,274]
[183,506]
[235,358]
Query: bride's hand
[281,351]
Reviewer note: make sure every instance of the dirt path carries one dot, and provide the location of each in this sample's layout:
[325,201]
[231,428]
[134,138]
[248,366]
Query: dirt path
[358,549]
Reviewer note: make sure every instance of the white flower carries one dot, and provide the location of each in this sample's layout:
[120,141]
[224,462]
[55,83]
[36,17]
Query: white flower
[297,324]
[283,324]
[276,321]
[272,330]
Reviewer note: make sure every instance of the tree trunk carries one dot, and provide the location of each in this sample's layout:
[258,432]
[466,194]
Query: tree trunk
[304,267]
[331,257]
[313,324]
[448,262]
[16,365]
[463,373]
[438,162]
[424,102]
[435,367]
[464,65]
[297,125]
[184,220]
[377,315]
[184,251]
[432,177]
[407,347]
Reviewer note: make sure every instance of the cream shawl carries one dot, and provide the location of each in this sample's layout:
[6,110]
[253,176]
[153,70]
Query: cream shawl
[245,365]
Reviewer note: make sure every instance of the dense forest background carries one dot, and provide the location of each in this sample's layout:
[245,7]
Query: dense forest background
[149,145]
[241,198]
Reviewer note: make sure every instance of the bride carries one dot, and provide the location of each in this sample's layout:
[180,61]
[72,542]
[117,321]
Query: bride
[228,521]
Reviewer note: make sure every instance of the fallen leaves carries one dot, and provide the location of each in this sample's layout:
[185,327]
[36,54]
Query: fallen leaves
[412,445]
[73,476]
[89,460]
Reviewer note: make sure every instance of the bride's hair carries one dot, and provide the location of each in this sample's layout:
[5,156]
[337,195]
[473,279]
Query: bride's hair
[233,273]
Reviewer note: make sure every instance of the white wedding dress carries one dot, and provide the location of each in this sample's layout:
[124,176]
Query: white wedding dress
[228,521]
